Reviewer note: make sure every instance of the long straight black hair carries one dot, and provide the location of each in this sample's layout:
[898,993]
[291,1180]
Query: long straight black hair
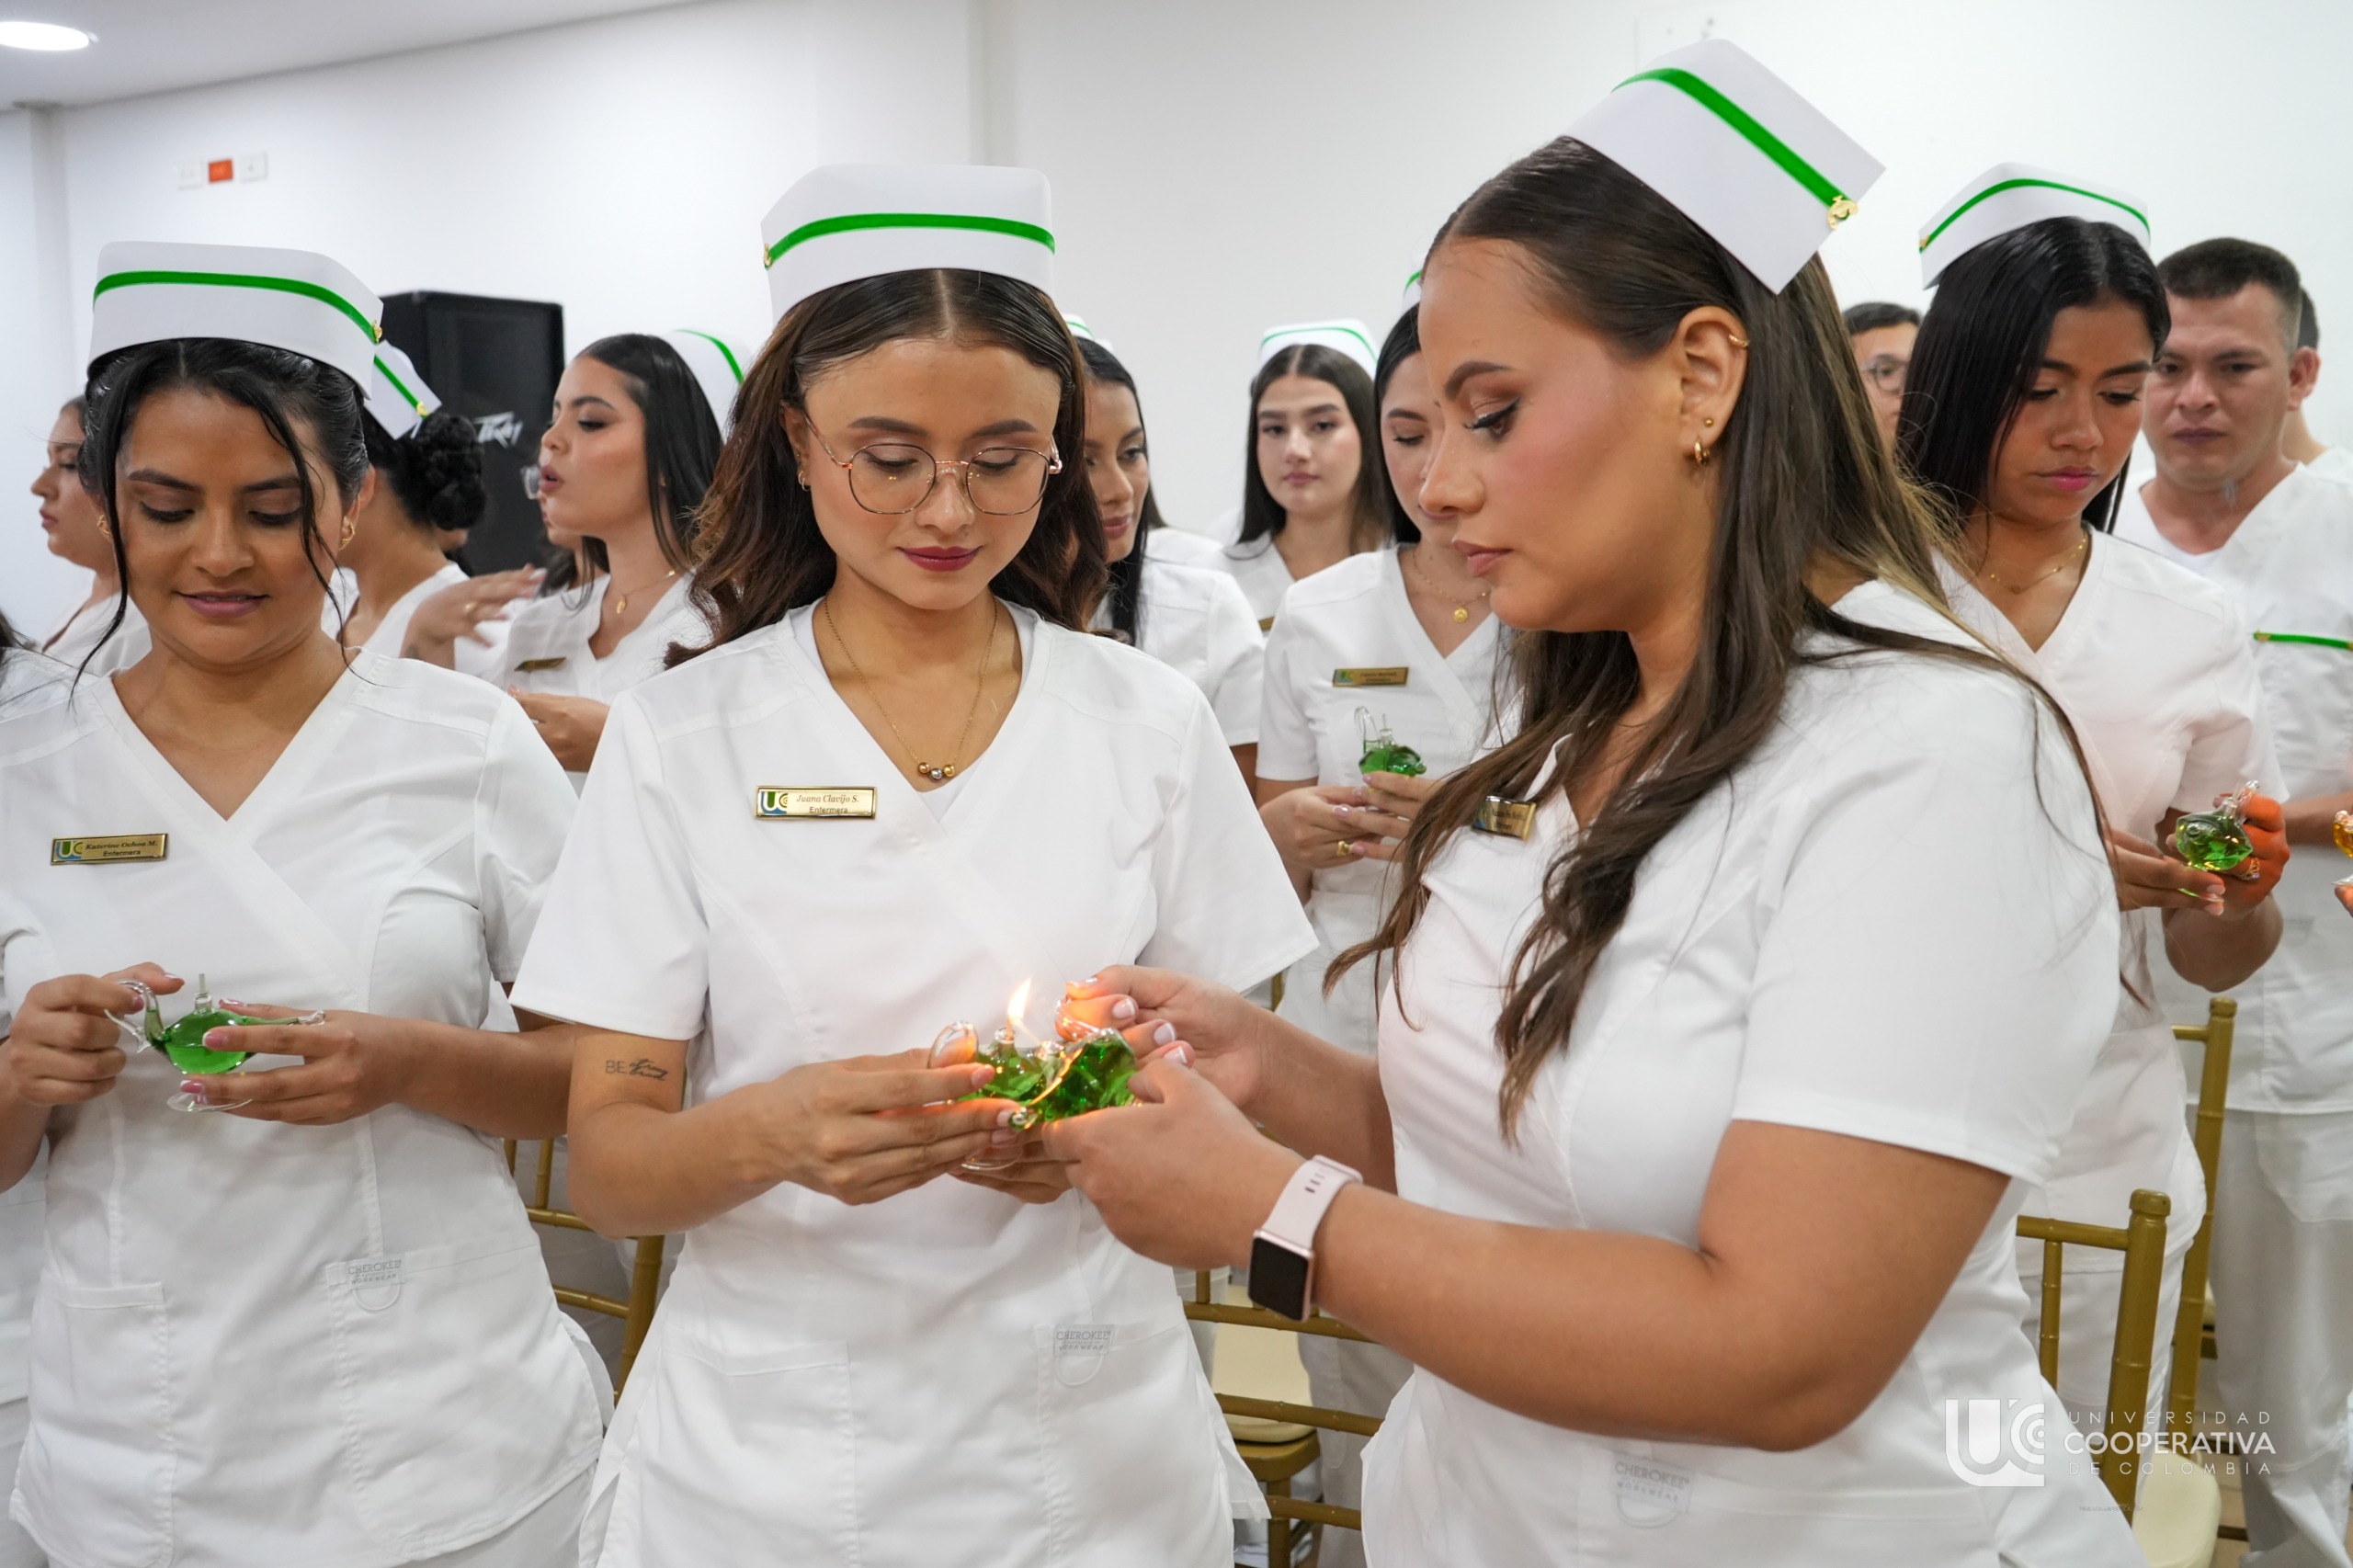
[1983,339]
[1262,516]
[761,553]
[1125,589]
[1405,341]
[681,441]
[310,409]
[1803,478]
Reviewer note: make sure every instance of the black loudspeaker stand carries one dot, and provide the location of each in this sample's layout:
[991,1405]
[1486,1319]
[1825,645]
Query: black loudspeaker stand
[496,361]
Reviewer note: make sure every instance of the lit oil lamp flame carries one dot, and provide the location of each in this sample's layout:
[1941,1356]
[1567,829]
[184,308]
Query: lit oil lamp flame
[1015,1006]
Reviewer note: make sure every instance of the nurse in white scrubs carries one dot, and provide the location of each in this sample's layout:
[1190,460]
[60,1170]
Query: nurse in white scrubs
[1403,641]
[70,520]
[1313,492]
[2021,409]
[428,483]
[1741,996]
[311,1329]
[1192,617]
[26,677]
[901,783]
[624,464]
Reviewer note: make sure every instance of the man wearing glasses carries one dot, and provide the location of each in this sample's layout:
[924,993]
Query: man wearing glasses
[1883,335]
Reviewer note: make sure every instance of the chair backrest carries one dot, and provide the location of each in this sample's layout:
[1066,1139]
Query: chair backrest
[1204,1308]
[2189,1324]
[2143,1243]
[645,1278]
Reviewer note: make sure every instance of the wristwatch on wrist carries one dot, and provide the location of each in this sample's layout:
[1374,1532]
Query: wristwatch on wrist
[1282,1259]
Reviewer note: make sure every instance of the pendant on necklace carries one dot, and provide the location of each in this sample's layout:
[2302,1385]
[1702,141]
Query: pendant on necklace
[937,775]
[1461,612]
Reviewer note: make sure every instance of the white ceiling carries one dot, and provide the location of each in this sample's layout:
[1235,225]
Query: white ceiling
[152,46]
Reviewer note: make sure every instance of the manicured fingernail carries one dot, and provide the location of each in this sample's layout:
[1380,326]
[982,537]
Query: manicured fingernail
[1003,1137]
[1342,810]
[982,1076]
[1005,1117]
[1182,1056]
[195,1087]
[1123,1008]
[1163,1032]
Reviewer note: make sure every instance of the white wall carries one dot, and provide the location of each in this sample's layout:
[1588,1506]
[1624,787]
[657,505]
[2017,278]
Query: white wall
[619,166]
[1219,165]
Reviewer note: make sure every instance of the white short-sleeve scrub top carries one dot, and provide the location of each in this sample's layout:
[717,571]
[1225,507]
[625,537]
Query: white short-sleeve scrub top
[391,633]
[263,1343]
[1194,619]
[547,643]
[1339,630]
[2287,570]
[2155,671]
[1875,928]
[1259,567]
[948,1376]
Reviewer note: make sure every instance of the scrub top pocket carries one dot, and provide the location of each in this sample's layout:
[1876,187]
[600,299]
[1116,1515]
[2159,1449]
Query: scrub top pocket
[1105,1393]
[102,1456]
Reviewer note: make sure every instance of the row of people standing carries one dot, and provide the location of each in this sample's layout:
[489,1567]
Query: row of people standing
[793,846]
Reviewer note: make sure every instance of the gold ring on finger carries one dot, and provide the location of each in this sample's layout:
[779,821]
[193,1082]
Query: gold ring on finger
[1340,850]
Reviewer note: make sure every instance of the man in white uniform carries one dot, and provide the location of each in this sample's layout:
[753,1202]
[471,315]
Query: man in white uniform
[2228,503]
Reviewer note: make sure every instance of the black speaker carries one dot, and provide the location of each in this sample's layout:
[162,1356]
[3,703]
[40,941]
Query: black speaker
[496,361]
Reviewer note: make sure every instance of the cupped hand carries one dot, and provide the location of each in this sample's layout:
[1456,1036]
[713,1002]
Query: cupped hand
[352,1063]
[1181,1175]
[571,725]
[66,1044]
[2148,878]
[867,1127]
[460,610]
[2265,822]
[1324,825]
[1394,801]
[1221,1031]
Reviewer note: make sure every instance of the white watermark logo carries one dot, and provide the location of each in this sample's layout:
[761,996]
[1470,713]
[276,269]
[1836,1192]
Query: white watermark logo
[1994,1442]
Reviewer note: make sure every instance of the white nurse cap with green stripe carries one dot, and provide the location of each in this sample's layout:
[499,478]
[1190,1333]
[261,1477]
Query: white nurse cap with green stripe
[287,299]
[1348,337]
[2011,196]
[1732,147]
[1413,291]
[1078,328]
[398,398]
[717,369]
[850,220]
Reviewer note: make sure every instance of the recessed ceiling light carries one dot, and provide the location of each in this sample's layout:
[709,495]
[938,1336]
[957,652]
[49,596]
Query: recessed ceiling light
[46,37]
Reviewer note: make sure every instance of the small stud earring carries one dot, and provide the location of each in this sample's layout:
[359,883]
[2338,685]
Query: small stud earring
[1708,421]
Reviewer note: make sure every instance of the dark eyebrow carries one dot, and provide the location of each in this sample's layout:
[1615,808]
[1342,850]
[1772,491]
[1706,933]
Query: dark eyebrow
[157,476]
[1311,408]
[883,422]
[1464,372]
[1007,427]
[586,398]
[2137,367]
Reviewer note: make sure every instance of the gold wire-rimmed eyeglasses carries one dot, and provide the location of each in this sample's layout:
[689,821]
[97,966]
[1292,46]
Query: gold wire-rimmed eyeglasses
[894,478]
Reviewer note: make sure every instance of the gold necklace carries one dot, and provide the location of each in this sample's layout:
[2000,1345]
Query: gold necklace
[938,773]
[1461,607]
[2083,546]
[620,601]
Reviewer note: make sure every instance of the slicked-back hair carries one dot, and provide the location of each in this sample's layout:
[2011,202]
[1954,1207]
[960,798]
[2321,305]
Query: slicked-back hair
[2218,269]
[761,553]
[1405,341]
[1985,336]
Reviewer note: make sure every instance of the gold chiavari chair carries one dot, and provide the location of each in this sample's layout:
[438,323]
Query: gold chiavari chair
[2193,1335]
[1276,1435]
[645,1278]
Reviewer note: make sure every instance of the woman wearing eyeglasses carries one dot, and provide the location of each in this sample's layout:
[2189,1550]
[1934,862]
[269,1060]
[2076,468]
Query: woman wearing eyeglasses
[902,781]
[624,464]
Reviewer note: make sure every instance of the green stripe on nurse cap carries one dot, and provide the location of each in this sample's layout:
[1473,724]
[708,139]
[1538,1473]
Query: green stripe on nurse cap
[1346,335]
[717,367]
[846,222]
[1731,145]
[2011,196]
[1412,292]
[293,300]
[398,398]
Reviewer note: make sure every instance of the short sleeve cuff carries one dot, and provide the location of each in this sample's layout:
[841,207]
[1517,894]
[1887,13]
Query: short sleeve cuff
[1900,1127]
[599,1013]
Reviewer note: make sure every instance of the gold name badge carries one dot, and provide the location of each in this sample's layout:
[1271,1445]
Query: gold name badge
[771,804]
[1506,818]
[1267,625]
[1385,675]
[532,666]
[108,847]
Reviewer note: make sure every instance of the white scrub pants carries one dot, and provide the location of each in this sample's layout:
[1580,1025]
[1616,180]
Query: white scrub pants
[2283,1325]
[546,1537]
[1362,1379]
[17,1547]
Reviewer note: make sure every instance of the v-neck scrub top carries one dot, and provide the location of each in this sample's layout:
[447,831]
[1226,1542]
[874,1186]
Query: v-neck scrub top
[2155,672]
[1347,619]
[547,644]
[1195,621]
[948,1376]
[270,1344]
[1894,922]
[2287,570]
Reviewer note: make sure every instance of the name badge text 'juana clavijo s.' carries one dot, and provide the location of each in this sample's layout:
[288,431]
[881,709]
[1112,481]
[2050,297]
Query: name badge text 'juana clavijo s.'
[777,803]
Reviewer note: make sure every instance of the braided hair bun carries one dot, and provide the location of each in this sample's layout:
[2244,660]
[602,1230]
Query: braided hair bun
[434,471]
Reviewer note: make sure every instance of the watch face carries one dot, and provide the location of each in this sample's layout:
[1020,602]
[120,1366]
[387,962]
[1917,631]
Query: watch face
[1279,1279]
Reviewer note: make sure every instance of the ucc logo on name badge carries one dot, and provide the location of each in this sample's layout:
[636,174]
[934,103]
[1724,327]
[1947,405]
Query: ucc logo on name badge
[772,802]
[110,847]
[1384,674]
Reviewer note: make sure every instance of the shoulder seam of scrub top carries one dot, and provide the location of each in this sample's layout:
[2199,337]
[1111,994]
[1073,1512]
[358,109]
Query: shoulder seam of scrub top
[772,642]
[1066,683]
[1342,581]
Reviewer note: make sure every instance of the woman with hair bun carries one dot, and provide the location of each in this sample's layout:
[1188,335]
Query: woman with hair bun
[1729,1008]
[426,481]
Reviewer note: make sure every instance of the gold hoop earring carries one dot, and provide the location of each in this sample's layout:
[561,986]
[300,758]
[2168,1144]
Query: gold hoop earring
[350,528]
[1738,341]
[1699,454]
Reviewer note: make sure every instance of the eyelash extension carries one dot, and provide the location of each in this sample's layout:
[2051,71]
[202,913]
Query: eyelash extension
[1489,421]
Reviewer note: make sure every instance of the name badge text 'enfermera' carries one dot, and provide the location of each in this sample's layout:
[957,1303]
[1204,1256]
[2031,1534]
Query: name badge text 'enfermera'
[774,802]
[106,848]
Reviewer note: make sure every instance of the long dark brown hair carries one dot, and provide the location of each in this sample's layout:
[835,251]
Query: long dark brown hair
[1803,482]
[1262,515]
[761,553]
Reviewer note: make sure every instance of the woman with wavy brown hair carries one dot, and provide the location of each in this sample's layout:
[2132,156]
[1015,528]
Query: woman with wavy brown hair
[901,783]
[1723,1007]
